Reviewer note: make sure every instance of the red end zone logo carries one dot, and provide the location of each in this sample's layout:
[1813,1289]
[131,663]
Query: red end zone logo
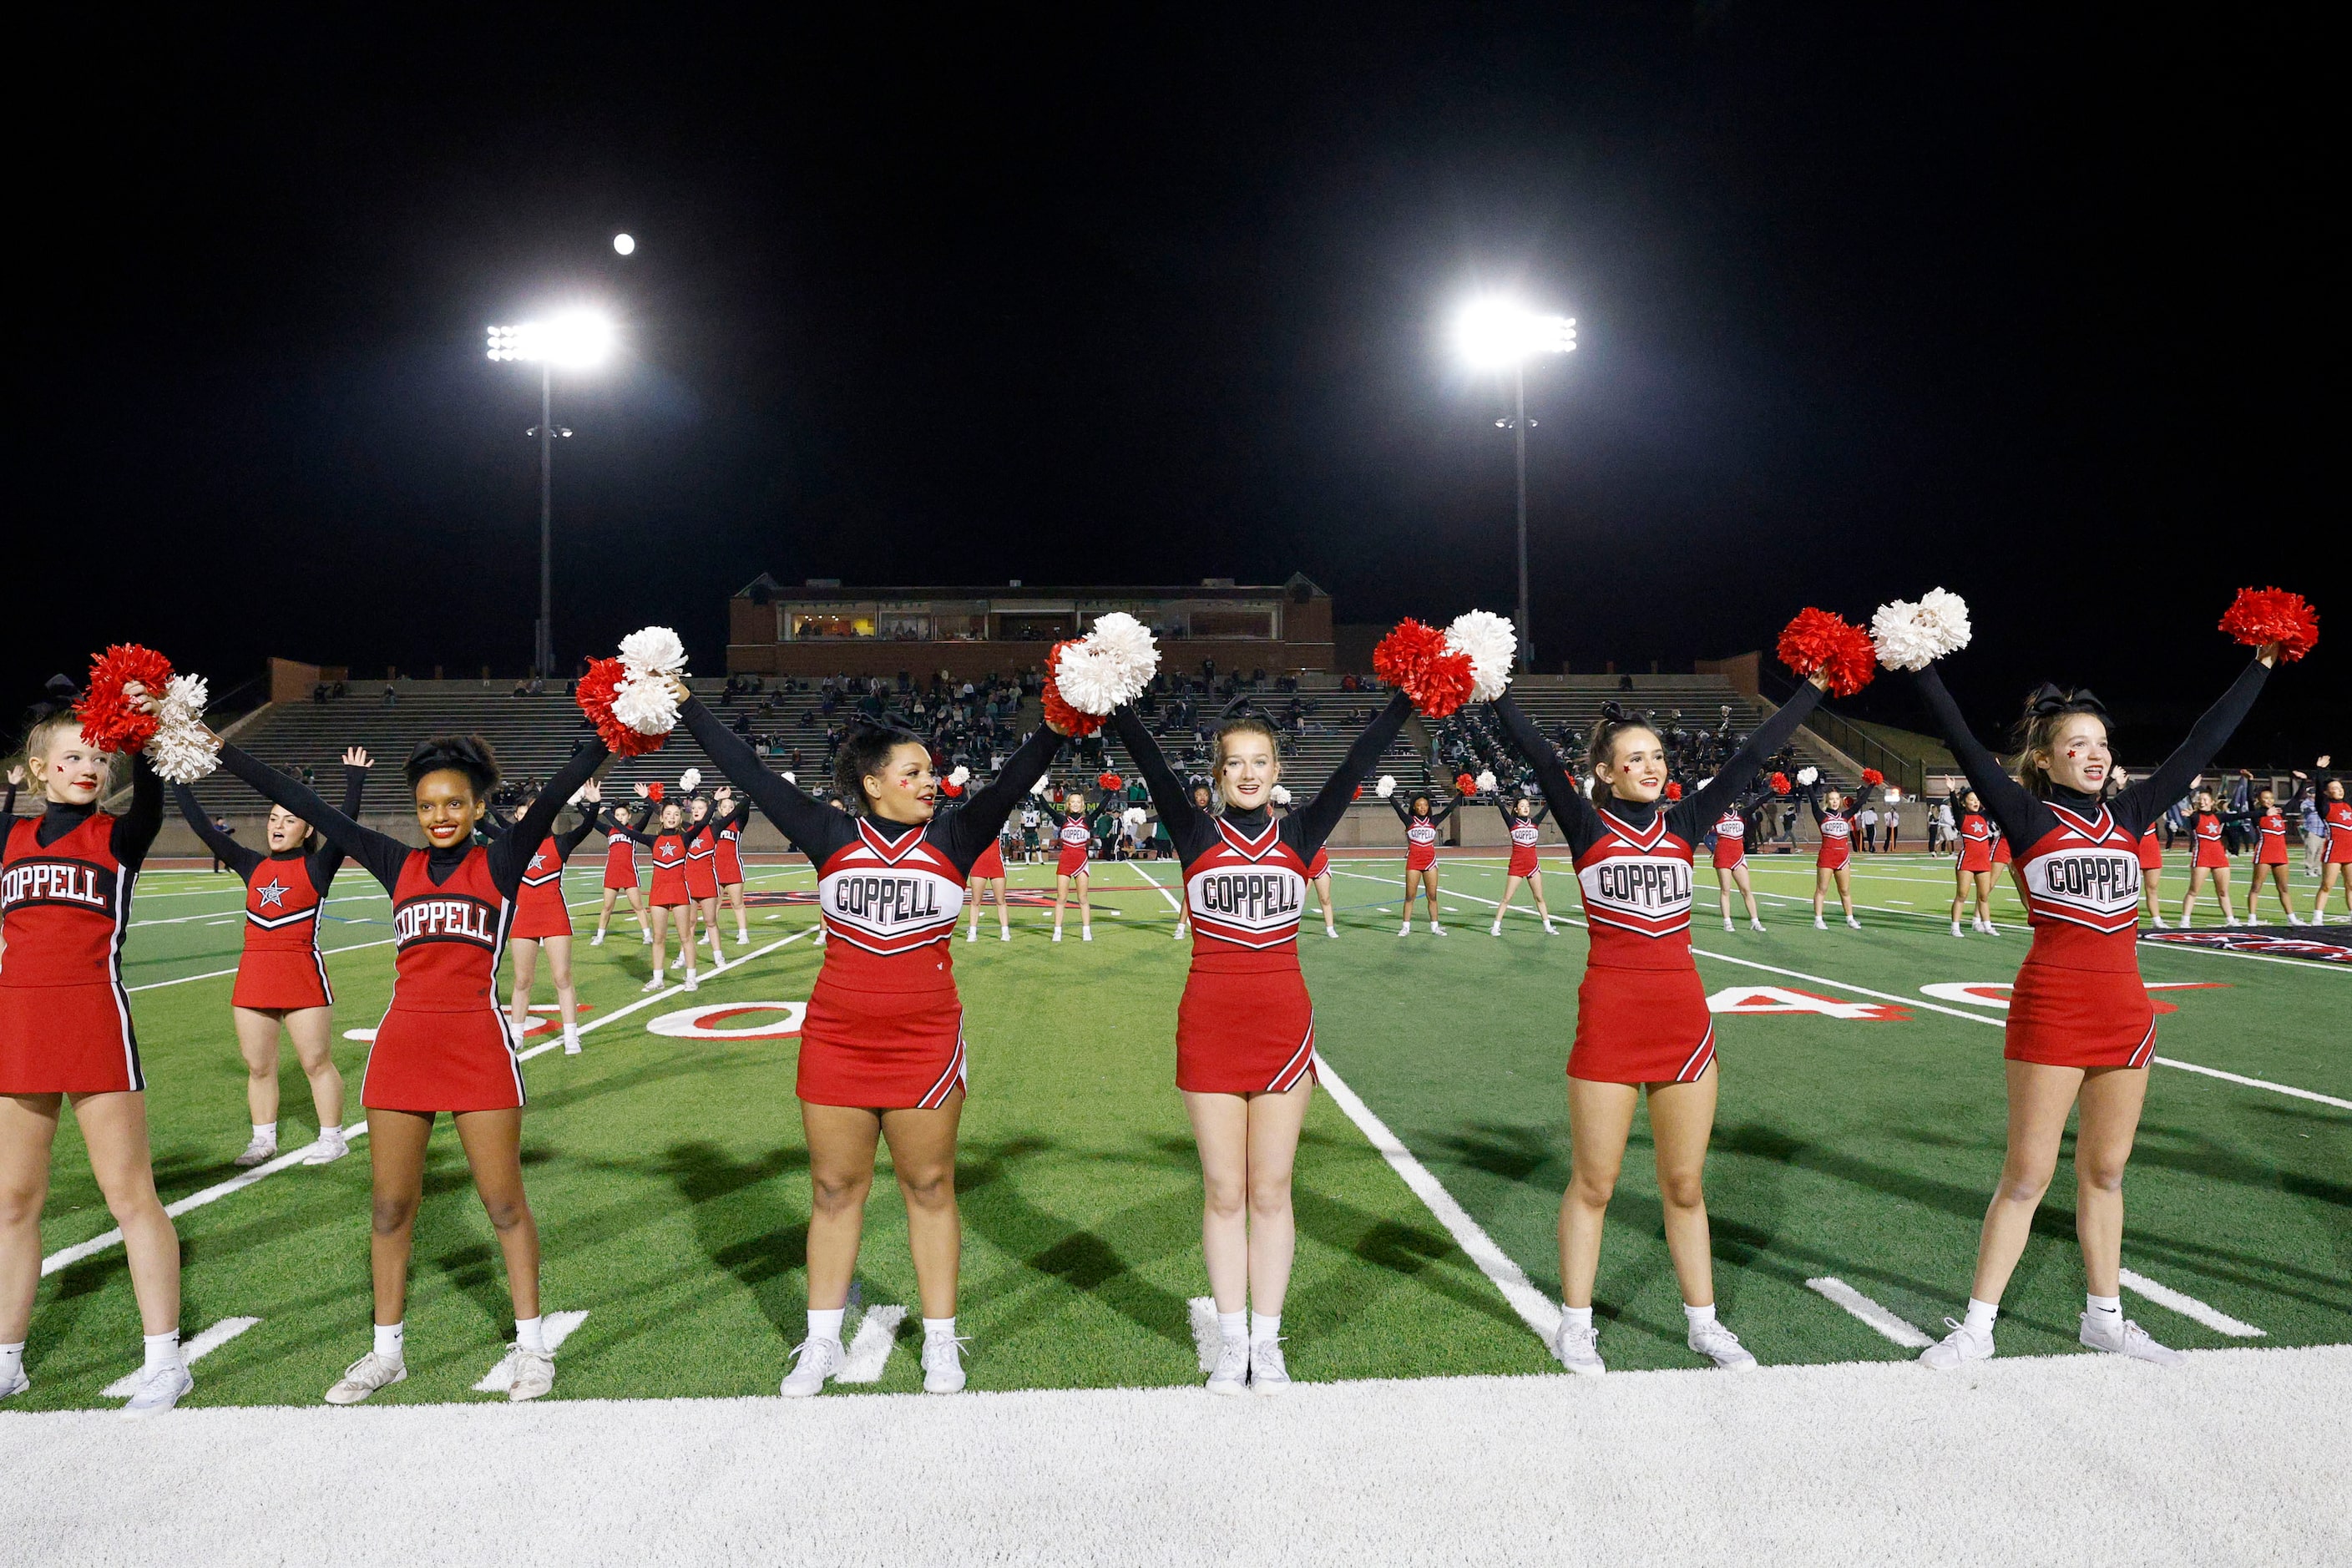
[732,1021]
[1781,999]
[1995,993]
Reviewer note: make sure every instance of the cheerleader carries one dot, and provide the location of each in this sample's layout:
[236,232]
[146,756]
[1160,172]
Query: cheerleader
[65,1035]
[1073,842]
[2081,1028]
[882,1044]
[2270,856]
[2150,850]
[1319,876]
[1731,864]
[987,873]
[620,872]
[2335,813]
[1420,821]
[1245,1028]
[1973,877]
[726,840]
[1206,804]
[1523,817]
[281,977]
[702,880]
[1833,861]
[442,1044]
[542,919]
[1642,1021]
[2210,858]
[670,895]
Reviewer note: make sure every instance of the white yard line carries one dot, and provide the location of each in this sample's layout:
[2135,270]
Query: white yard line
[1870,1313]
[217,973]
[2189,1306]
[195,1351]
[870,1347]
[556,1326]
[1208,1338]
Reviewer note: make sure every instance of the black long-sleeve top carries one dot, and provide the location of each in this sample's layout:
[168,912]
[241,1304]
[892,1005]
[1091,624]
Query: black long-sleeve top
[321,862]
[2024,817]
[1821,815]
[1304,828]
[1689,817]
[384,855]
[1439,810]
[819,831]
[134,831]
[1511,817]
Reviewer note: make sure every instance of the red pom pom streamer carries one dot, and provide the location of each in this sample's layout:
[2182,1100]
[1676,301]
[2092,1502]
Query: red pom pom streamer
[1780,784]
[1464,785]
[1416,659]
[1109,781]
[654,792]
[595,693]
[2258,617]
[950,790]
[1059,712]
[1358,794]
[1872,778]
[107,719]
[1673,790]
[1819,641]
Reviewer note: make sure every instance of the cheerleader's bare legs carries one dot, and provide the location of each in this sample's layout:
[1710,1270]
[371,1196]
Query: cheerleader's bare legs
[1599,1122]
[637,907]
[1534,880]
[2197,877]
[1323,892]
[2276,875]
[1427,881]
[841,1141]
[972,892]
[1968,883]
[1725,876]
[1249,1144]
[1085,901]
[526,951]
[1822,876]
[2041,1098]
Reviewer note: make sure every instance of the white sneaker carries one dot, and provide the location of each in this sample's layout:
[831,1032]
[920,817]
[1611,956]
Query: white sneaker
[1819,924]
[1755,925]
[1232,1373]
[1332,931]
[645,937]
[690,983]
[1406,930]
[2160,925]
[163,1387]
[1180,931]
[330,1148]
[1494,930]
[534,1373]
[1961,1346]
[816,1360]
[1436,930]
[365,1376]
[973,935]
[260,1151]
[1728,925]
[1004,933]
[678,963]
[1058,933]
[1721,1346]
[2293,918]
[652,984]
[1088,935]
[1854,922]
[596,940]
[1579,1350]
[943,1364]
[1267,1373]
[742,939]
[570,1042]
[1548,929]
[2128,1339]
[1956,931]
[18,1386]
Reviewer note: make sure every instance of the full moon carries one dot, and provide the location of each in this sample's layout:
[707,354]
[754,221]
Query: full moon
[624,243]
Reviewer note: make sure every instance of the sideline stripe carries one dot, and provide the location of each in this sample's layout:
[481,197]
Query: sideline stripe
[870,1347]
[2189,1306]
[1540,1312]
[1208,1338]
[195,1351]
[557,1329]
[1877,1317]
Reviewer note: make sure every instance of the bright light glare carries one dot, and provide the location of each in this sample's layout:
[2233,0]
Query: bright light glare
[574,340]
[1495,332]
[624,243]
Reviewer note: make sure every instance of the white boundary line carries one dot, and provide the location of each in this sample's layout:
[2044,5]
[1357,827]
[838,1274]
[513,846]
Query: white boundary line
[2189,1306]
[557,1329]
[195,1351]
[1884,1323]
[870,1347]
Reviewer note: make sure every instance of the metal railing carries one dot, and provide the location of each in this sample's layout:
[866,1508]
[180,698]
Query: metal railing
[1907,773]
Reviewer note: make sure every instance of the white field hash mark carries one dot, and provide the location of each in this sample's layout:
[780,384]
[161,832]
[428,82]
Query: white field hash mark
[557,1326]
[1886,1324]
[870,1346]
[195,1351]
[1208,1338]
[2189,1306]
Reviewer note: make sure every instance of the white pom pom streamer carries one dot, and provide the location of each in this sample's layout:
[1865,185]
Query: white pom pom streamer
[182,749]
[1281,796]
[1109,666]
[1808,777]
[1134,815]
[1037,788]
[1492,644]
[1485,782]
[690,780]
[791,779]
[960,777]
[654,650]
[645,704]
[1386,787]
[1911,636]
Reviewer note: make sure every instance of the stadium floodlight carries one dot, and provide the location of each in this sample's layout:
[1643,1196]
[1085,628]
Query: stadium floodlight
[1497,333]
[575,339]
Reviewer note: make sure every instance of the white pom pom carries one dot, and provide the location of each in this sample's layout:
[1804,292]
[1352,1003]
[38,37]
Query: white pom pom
[1386,787]
[962,776]
[1134,815]
[1281,796]
[1485,782]
[1807,777]
[1913,635]
[790,779]
[1492,644]
[1037,788]
[645,704]
[1123,658]
[654,650]
[690,780]
[182,749]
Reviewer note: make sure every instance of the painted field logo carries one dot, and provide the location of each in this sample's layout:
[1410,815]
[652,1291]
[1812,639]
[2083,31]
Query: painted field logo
[732,1021]
[1780,999]
[1995,993]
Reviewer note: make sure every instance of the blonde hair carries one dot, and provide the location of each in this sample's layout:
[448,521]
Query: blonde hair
[43,735]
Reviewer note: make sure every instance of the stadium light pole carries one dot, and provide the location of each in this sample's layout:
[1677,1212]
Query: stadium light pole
[1496,333]
[575,339]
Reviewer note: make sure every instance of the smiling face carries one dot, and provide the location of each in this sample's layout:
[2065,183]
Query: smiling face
[905,789]
[1636,767]
[1968,802]
[2205,800]
[2076,756]
[448,808]
[672,818]
[287,831]
[1526,807]
[1247,768]
[69,769]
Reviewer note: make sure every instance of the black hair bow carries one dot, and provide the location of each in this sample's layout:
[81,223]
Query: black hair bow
[1611,711]
[2051,699]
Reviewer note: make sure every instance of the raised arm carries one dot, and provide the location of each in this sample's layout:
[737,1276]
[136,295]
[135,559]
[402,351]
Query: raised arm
[1439,810]
[328,857]
[1568,803]
[804,820]
[1168,795]
[226,850]
[134,830]
[1322,814]
[2142,802]
[2005,800]
[973,829]
[380,853]
[510,856]
[1704,806]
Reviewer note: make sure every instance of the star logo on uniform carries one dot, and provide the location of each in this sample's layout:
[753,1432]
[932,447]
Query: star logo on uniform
[539,860]
[273,895]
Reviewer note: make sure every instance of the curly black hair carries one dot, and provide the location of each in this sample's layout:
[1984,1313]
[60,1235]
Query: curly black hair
[866,750]
[469,754]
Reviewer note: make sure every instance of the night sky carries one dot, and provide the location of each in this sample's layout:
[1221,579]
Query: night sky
[1868,302]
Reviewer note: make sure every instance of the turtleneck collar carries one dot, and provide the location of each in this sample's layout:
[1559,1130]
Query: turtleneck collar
[1638,814]
[60,818]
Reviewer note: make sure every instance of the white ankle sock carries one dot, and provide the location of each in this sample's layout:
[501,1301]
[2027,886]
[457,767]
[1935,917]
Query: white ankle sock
[825,1324]
[162,1349]
[1699,1317]
[938,1329]
[531,1333]
[1262,1328]
[12,1362]
[2106,1310]
[1577,1317]
[391,1339]
[265,1132]
[1980,1316]
[1233,1325]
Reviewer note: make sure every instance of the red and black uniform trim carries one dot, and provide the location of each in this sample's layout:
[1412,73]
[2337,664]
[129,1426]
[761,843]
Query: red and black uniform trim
[540,910]
[1526,834]
[281,968]
[1419,828]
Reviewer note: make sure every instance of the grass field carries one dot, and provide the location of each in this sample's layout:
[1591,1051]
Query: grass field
[667,1176]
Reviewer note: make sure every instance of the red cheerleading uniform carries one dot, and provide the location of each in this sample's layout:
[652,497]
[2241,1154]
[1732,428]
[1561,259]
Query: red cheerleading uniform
[670,889]
[701,861]
[281,968]
[990,866]
[2079,1000]
[1730,840]
[727,842]
[2151,851]
[1976,843]
[540,910]
[444,1044]
[620,859]
[1075,840]
[1320,867]
[1525,833]
[1246,1023]
[884,1029]
[1641,1010]
[2212,855]
[2337,816]
[1837,835]
[2270,828]
[65,1018]
[1419,832]
[2000,856]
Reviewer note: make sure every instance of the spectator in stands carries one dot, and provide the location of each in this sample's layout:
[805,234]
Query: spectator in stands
[390,694]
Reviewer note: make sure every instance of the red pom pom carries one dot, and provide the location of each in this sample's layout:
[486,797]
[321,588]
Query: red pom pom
[1358,794]
[950,790]
[1872,778]
[654,792]
[1673,790]
[2258,617]
[107,719]
[1819,641]
[595,694]
[1464,785]
[1059,712]
[1109,781]
[1416,659]
[1780,784]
